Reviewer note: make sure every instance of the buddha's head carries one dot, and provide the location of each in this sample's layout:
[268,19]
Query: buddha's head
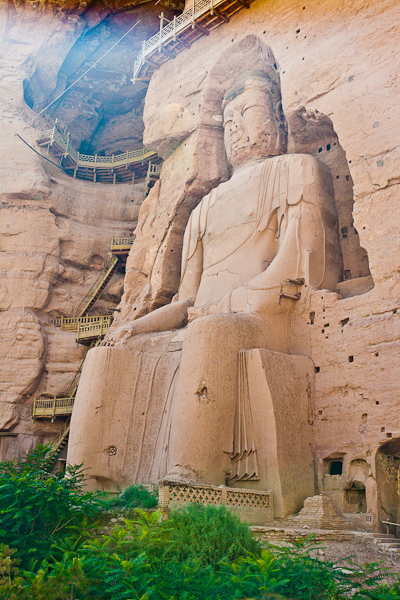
[254,123]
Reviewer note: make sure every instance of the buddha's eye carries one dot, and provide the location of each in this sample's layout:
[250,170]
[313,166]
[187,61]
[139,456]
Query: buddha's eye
[247,107]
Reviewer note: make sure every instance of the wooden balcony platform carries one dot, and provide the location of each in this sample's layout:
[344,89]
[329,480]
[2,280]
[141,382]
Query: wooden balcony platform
[52,407]
[96,329]
[179,34]
[118,168]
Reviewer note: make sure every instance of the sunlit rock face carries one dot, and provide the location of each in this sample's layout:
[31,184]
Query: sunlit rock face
[55,231]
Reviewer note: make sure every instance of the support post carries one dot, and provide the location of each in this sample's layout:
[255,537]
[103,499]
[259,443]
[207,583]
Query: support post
[114,178]
[161,27]
[133,177]
[75,172]
[193,14]
[94,176]
[54,410]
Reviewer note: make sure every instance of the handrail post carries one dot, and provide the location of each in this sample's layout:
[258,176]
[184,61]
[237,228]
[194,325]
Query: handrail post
[174,34]
[161,26]
[193,14]
[212,7]
[34,408]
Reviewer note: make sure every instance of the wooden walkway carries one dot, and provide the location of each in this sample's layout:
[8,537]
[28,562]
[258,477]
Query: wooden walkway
[118,168]
[201,19]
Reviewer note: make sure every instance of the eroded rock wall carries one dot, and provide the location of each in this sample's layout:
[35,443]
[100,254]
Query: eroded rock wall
[55,232]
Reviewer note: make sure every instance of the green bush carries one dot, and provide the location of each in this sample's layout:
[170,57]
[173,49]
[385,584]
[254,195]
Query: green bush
[135,496]
[209,534]
[38,509]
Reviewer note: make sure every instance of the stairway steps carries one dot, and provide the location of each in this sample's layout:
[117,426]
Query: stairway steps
[389,546]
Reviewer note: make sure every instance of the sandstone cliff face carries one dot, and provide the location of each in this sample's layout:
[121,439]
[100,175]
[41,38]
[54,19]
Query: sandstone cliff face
[338,61]
[55,231]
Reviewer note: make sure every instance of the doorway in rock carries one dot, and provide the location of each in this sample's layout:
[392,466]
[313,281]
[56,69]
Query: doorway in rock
[388,484]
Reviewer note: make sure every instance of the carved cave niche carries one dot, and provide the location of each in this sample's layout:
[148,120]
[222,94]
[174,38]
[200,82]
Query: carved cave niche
[354,493]
[387,464]
[332,471]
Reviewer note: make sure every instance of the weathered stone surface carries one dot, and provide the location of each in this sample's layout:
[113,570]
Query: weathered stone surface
[55,232]
[319,513]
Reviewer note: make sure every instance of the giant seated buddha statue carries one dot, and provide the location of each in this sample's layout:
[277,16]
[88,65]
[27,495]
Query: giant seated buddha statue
[206,389]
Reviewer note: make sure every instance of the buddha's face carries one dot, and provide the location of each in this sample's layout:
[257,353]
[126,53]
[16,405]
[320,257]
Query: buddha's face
[253,125]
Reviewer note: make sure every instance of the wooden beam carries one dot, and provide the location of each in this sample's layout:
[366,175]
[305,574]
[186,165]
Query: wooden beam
[151,63]
[221,16]
[185,44]
[167,52]
[203,30]
[244,3]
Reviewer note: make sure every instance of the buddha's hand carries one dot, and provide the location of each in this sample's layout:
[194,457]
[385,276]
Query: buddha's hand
[235,301]
[251,299]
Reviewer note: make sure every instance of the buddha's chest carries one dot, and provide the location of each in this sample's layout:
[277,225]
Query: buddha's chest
[233,210]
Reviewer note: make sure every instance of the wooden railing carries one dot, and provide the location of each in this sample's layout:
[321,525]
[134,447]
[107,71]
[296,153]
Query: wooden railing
[97,287]
[72,323]
[66,323]
[93,161]
[95,329]
[122,243]
[52,407]
[60,437]
[170,31]
[153,170]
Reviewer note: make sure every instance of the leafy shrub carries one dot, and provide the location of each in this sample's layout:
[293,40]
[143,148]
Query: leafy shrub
[135,496]
[38,509]
[209,534]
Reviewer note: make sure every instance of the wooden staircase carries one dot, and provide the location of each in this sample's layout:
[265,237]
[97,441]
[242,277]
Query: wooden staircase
[57,446]
[97,288]
[91,328]
[182,31]
[90,331]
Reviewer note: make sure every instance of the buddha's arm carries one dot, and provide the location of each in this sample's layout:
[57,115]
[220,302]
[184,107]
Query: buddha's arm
[174,315]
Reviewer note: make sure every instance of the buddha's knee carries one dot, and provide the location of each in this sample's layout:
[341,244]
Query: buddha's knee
[242,330]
